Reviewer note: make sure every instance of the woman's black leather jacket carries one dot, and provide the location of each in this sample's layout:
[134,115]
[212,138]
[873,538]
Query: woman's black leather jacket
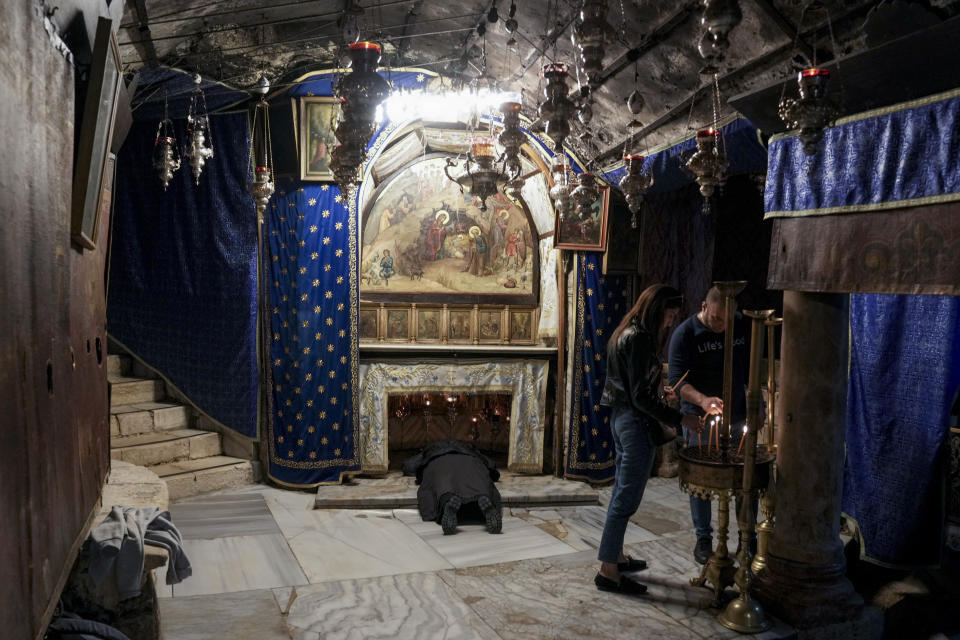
[633,376]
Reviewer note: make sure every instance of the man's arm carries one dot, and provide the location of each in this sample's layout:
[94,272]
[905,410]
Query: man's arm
[680,364]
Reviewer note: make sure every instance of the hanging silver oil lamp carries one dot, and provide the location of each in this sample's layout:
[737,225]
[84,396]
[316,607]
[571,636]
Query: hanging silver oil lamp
[813,111]
[718,20]
[585,195]
[708,164]
[634,185]
[261,152]
[557,109]
[563,184]
[166,159]
[511,138]
[199,137]
[361,91]
[481,176]
[591,33]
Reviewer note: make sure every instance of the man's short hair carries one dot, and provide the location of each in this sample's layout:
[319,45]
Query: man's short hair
[713,296]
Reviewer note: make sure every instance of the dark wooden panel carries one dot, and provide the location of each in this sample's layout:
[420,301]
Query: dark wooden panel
[54,428]
[913,251]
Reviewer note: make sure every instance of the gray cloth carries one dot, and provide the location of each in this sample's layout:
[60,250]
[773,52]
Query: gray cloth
[117,544]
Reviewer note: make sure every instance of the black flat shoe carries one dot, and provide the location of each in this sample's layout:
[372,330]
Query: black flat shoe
[632,564]
[626,586]
[448,522]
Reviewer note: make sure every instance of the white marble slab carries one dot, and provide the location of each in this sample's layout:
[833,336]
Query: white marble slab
[240,563]
[247,614]
[238,514]
[472,545]
[339,544]
[416,605]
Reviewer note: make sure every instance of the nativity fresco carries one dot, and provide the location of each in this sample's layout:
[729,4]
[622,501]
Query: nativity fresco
[422,236]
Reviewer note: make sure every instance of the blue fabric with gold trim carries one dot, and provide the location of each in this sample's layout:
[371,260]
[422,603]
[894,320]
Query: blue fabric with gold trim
[312,257]
[183,278]
[601,303]
[894,159]
[904,374]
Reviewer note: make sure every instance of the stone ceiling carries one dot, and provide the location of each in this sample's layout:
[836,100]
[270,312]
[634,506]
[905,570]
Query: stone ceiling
[234,41]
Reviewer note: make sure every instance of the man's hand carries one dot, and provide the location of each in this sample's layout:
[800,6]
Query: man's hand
[692,422]
[712,406]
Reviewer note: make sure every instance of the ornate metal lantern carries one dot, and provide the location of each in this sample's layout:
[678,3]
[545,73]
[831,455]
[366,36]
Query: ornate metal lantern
[557,109]
[585,195]
[634,185]
[562,186]
[199,137]
[511,138]
[591,34]
[718,20]
[166,159]
[708,163]
[812,112]
[481,177]
[361,91]
[261,152]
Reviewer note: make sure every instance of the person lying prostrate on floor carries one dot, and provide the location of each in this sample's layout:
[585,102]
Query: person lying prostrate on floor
[632,391]
[453,474]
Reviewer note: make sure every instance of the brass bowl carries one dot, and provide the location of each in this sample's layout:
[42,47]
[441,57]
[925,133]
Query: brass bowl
[706,469]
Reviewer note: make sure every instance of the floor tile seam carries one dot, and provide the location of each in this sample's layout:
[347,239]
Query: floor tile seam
[477,613]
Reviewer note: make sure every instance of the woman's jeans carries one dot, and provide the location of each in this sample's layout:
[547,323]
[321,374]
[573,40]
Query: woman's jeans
[634,462]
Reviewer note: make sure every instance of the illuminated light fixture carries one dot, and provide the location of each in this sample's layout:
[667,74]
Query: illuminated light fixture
[361,91]
[556,110]
[708,164]
[813,111]
[481,177]
[634,185]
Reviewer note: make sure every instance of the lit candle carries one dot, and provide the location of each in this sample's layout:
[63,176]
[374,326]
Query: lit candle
[744,437]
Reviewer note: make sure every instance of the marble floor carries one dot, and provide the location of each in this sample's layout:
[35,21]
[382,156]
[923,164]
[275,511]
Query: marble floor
[268,565]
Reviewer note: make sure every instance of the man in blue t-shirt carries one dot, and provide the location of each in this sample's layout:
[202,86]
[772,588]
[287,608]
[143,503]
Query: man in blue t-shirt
[697,346]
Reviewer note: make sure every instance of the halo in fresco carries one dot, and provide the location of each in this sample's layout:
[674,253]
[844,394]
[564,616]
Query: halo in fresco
[421,236]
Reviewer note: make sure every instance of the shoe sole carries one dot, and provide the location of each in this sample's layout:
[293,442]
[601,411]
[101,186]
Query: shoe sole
[449,520]
[491,514]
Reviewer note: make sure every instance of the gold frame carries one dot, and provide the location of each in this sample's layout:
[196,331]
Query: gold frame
[375,312]
[501,336]
[303,137]
[409,332]
[561,243]
[471,325]
[421,312]
[532,325]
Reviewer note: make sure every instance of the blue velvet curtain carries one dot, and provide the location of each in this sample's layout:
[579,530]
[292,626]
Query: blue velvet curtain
[904,375]
[312,262]
[182,287]
[601,302]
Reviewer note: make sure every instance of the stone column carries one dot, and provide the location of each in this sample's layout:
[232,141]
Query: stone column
[804,582]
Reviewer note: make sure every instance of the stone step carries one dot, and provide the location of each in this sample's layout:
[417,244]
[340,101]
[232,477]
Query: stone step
[146,417]
[166,446]
[124,390]
[118,365]
[192,477]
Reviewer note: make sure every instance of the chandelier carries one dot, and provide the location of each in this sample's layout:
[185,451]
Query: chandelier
[166,159]
[585,195]
[708,163]
[812,112]
[718,20]
[261,151]
[199,138]
[634,185]
[562,186]
[511,138]
[557,109]
[361,91]
[481,177]
[590,35]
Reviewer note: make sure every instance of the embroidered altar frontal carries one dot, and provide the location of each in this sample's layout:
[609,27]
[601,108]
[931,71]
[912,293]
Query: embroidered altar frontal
[312,261]
[526,380]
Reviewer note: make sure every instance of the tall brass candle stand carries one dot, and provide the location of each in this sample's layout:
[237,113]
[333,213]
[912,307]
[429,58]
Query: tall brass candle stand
[745,614]
[768,501]
[707,473]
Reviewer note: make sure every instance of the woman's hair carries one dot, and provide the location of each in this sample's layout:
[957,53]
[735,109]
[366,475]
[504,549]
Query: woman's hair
[649,309]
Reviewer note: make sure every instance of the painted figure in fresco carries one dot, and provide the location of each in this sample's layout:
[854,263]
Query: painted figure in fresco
[386,219]
[516,248]
[436,234]
[386,267]
[498,233]
[477,254]
[404,206]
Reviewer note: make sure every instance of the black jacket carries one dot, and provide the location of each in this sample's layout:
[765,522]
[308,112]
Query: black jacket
[633,376]
[416,464]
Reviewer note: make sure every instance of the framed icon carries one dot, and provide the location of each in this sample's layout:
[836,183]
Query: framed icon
[318,119]
[588,233]
[429,325]
[489,326]
[522,326]
[397,326]
[459,325]
[368,325]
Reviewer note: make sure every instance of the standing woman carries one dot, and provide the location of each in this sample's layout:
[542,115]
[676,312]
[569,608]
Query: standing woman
[632,391]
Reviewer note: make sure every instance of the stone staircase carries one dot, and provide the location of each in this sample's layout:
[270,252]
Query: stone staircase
[149,429]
